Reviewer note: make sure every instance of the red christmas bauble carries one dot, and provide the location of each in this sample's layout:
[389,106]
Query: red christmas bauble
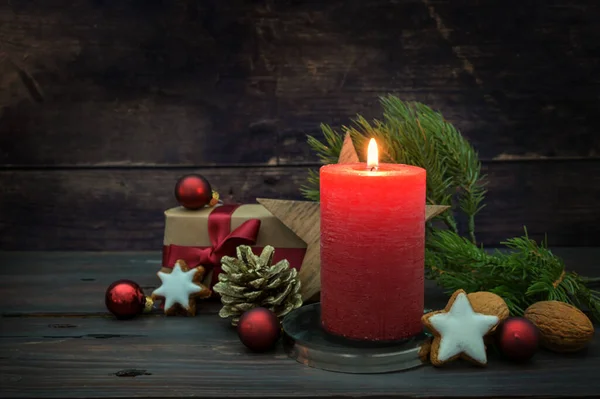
[259,329]
[125,299]
[517,338]
[193,191]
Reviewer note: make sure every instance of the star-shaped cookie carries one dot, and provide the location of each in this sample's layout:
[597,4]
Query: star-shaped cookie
[458,331]
[180,287]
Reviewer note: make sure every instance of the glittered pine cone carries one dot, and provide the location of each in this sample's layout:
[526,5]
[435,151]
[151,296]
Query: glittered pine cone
[250,281]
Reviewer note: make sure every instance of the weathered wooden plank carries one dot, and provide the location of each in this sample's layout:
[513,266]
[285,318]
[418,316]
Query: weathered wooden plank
[545,83]
[70,283]
[104,209]
[550,198]
[202,357]
[122,209]
[200,94]
[154,327]
[243,82]
[74,283]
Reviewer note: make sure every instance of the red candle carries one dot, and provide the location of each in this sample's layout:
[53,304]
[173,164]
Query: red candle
[372,249]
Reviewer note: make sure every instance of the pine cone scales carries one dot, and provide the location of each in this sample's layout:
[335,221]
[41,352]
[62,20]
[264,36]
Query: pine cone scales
[250,281]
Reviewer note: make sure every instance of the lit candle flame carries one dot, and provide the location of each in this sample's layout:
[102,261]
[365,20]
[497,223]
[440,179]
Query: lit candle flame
[372,155]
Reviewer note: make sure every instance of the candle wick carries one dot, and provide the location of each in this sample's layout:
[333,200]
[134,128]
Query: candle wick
[373,168]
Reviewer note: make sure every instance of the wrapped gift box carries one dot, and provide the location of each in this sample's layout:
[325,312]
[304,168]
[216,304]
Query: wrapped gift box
[202,237]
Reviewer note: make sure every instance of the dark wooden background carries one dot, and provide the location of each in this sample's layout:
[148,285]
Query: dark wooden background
[104,103]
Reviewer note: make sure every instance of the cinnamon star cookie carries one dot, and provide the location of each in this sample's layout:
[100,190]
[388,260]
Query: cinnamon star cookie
[180,288]
[458,331]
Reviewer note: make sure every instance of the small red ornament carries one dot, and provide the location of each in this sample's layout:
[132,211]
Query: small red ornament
[517,338]
[193,191]
[125,299]
[259,329]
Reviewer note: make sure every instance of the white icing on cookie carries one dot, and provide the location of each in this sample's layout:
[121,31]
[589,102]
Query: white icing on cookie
[462,330]
[177,287]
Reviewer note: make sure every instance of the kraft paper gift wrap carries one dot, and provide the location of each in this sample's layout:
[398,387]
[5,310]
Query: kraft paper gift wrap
[192,234]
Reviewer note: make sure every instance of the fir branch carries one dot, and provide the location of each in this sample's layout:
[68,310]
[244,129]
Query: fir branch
[523,273]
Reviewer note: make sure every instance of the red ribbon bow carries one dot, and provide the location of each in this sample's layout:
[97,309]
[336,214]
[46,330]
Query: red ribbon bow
[223,240]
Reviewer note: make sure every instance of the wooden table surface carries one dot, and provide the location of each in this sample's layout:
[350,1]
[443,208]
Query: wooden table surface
[57,341]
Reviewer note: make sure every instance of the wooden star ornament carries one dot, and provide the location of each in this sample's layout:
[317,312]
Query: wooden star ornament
[180,287]
[458,332]
[304,219]
[348,153]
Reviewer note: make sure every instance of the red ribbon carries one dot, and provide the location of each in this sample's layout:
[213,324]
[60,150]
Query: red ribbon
[223,240]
